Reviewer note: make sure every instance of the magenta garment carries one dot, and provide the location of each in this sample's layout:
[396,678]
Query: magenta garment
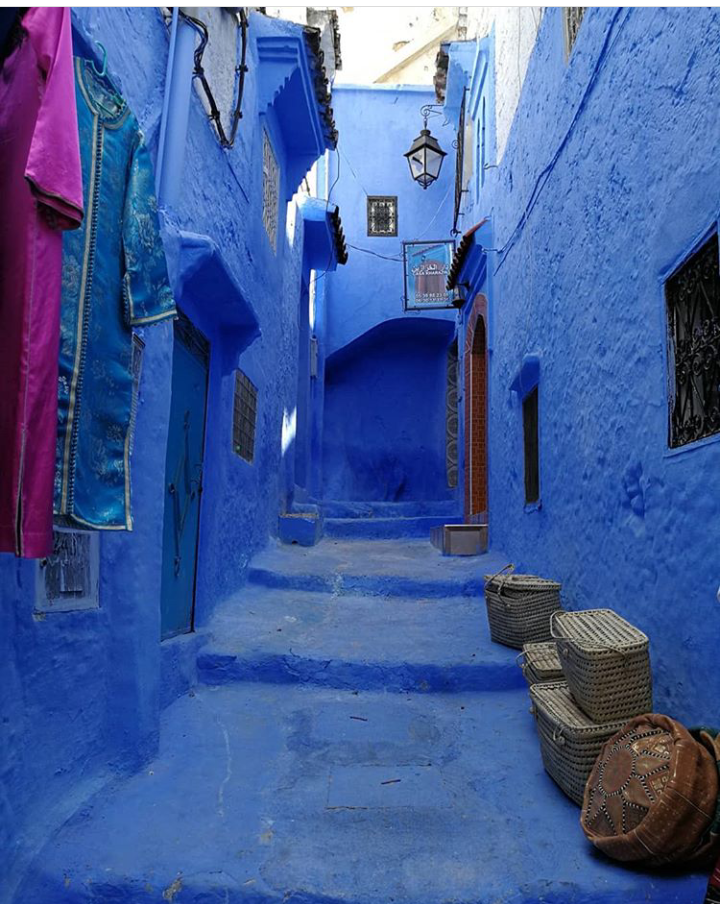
[41,191]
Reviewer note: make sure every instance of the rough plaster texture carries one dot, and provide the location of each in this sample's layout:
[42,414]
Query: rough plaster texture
[622,522]
[83,691]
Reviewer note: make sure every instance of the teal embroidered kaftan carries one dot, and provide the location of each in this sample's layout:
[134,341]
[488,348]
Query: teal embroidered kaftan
[114,279]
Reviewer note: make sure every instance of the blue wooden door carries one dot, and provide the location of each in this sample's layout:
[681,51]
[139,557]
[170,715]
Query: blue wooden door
[183,477]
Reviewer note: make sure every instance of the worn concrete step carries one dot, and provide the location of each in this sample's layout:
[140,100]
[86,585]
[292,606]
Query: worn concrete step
[386,528]
[444,508]
[263,794]
[372,567]
[356,642]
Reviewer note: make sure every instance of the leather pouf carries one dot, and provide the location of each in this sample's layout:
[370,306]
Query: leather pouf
[652,793]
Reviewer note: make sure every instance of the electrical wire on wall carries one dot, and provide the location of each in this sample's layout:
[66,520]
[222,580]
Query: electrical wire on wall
[226,141]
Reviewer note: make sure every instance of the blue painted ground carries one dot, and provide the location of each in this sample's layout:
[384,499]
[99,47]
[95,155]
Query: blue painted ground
[284,789]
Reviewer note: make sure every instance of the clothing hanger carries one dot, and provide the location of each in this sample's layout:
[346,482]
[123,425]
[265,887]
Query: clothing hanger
[102,73]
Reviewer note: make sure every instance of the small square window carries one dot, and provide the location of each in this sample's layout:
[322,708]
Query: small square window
[271,190]
[244,416]
[573,16]
[531,443]
[382,215]
[692,296]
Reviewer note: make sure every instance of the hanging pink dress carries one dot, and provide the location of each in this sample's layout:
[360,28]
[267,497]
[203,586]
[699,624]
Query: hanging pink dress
[41,191]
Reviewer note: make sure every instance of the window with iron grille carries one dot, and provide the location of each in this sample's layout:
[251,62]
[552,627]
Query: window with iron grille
[459,165]
[532,450]
[244,416]
[69,576]
[382,215]
[271,190]
[692,296]
[573,16]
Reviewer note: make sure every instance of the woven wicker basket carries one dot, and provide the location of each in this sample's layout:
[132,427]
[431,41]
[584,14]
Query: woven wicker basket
[519,607]
[606,662]
[540,663]
[569,742]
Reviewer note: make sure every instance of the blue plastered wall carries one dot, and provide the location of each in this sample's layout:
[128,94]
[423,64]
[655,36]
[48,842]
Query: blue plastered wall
[613,157]
[82,691]
[385,369]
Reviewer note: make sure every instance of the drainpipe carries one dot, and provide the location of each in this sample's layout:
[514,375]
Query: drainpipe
[176,108]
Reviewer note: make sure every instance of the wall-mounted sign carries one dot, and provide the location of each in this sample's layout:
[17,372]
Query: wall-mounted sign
[427,265]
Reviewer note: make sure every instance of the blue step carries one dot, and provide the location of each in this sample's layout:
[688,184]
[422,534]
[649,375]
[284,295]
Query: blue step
[445,508]
[392,568]
[356,643]
[386,528]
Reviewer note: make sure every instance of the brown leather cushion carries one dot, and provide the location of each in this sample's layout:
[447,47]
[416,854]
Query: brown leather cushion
[651,794]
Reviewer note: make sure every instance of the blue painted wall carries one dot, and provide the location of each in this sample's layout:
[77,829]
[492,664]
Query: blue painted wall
[377,125]
[381,441]
[631,184]
[385,372]
[82,691]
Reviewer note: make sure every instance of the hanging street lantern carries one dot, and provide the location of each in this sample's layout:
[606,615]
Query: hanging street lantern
[425,156]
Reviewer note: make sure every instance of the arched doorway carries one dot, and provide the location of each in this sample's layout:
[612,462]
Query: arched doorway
[476,494]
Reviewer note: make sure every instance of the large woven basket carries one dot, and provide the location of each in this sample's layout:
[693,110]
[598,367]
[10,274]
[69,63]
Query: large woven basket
[652,794]
[569,741]
[540,663]
[519,607]
[606,662]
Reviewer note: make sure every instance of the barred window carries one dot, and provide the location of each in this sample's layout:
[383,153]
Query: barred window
[692,295]
[573,16]
[382,215]
[244,416]
[271,190]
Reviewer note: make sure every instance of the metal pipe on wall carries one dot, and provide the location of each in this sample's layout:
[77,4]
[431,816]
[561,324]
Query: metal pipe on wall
[176,107]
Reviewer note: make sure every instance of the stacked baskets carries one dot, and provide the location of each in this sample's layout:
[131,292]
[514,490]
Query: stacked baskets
[606,665]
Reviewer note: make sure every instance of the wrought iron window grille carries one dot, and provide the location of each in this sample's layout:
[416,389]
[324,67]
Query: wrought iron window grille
[244,416]
[271,190]
[692,295]
[382,215]
[226,141]
[459,145]
[572,16]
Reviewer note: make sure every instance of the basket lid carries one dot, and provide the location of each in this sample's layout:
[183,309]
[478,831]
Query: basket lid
[599,629]
[555,699]
[520,582]
[542,657]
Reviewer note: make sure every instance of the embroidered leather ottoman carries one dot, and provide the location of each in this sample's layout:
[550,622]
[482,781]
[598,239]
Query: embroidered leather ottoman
[652,794]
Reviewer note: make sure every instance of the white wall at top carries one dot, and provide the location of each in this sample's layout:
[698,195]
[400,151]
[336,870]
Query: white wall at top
[516,29]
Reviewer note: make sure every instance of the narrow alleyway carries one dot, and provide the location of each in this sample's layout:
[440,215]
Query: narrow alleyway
[354,736]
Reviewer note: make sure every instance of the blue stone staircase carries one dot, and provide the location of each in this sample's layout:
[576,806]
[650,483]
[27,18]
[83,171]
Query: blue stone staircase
[354,738]
[387,520]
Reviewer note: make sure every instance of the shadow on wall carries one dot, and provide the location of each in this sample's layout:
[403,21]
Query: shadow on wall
[385,413]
